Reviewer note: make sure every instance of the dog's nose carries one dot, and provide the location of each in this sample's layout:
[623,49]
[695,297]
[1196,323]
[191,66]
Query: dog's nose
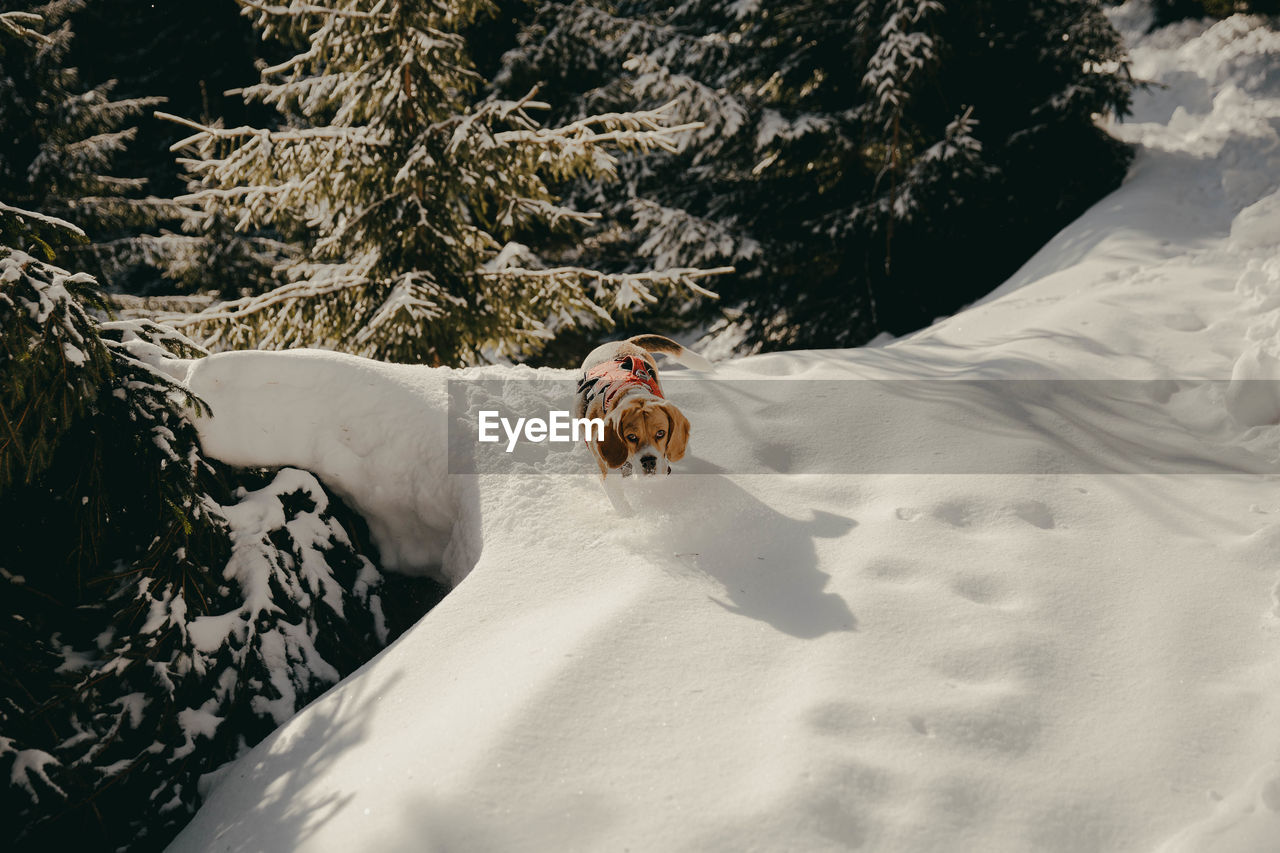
[649,463]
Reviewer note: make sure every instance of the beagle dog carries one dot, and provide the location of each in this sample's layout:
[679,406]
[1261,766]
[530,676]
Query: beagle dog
[643,431]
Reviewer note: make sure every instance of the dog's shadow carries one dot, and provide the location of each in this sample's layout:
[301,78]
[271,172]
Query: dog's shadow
[766,562]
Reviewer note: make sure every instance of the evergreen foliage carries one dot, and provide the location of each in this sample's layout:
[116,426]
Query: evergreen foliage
[174,621]
[865,164]
[214,256]
[62,140]
[410,198]
[170,622]
[189,54]
[159,612]
[44,315]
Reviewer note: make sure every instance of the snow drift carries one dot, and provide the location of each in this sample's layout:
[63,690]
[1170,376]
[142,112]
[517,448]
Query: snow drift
[1042,660]
[373,431]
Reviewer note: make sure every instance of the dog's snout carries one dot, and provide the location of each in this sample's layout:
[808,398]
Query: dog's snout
[649,463]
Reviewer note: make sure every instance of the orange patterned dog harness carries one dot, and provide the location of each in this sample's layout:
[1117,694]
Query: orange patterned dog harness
[609,378]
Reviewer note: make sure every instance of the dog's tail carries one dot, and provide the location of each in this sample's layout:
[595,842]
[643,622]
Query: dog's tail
[666,346]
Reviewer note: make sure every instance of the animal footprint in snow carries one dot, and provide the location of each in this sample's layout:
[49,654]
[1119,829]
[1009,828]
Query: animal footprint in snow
[1008,725]
[1183,322]
[1035,513]
[1270,794]
[893,569]
[841,719]
[977,588]
[975,513]
[955,513]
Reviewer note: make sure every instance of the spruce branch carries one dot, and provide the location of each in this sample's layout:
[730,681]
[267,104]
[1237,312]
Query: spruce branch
[307,9]
[21,25]
[206,133]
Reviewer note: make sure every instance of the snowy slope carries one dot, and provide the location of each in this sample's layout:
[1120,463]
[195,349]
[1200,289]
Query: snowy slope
[1042,660]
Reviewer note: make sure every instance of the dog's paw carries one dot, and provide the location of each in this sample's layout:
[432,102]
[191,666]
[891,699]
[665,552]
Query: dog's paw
[613,489]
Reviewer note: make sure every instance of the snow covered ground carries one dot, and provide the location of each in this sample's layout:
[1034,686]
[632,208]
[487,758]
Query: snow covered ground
[1059,658]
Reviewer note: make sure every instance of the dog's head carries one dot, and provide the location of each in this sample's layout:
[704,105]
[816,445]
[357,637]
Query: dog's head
[646,432]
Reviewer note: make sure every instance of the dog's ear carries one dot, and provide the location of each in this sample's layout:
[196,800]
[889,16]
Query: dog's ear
[679,438]
[613,449]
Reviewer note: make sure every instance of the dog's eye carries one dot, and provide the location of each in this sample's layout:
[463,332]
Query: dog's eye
[632,437]
[661,433]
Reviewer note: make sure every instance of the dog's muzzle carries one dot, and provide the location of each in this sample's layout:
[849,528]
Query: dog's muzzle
[649,464]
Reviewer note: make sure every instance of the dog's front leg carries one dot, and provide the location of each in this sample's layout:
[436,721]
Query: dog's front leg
[613,488]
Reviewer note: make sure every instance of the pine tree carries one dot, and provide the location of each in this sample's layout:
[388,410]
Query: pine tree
[213,256]
[190,54]
[155,619]
[61,141]
[416,202]
[856,153]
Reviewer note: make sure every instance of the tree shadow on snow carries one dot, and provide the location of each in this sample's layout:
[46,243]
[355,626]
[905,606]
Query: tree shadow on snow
[266,800]
[766,562]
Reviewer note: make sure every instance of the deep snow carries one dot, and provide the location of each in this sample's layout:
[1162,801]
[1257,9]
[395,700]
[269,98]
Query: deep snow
[1044,660]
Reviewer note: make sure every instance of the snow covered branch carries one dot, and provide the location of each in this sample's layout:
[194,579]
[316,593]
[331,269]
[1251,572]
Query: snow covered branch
[20,24]
[308,9]
[42,219]
[347,136]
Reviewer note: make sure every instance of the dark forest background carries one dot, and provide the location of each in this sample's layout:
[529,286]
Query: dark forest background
[864,167]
